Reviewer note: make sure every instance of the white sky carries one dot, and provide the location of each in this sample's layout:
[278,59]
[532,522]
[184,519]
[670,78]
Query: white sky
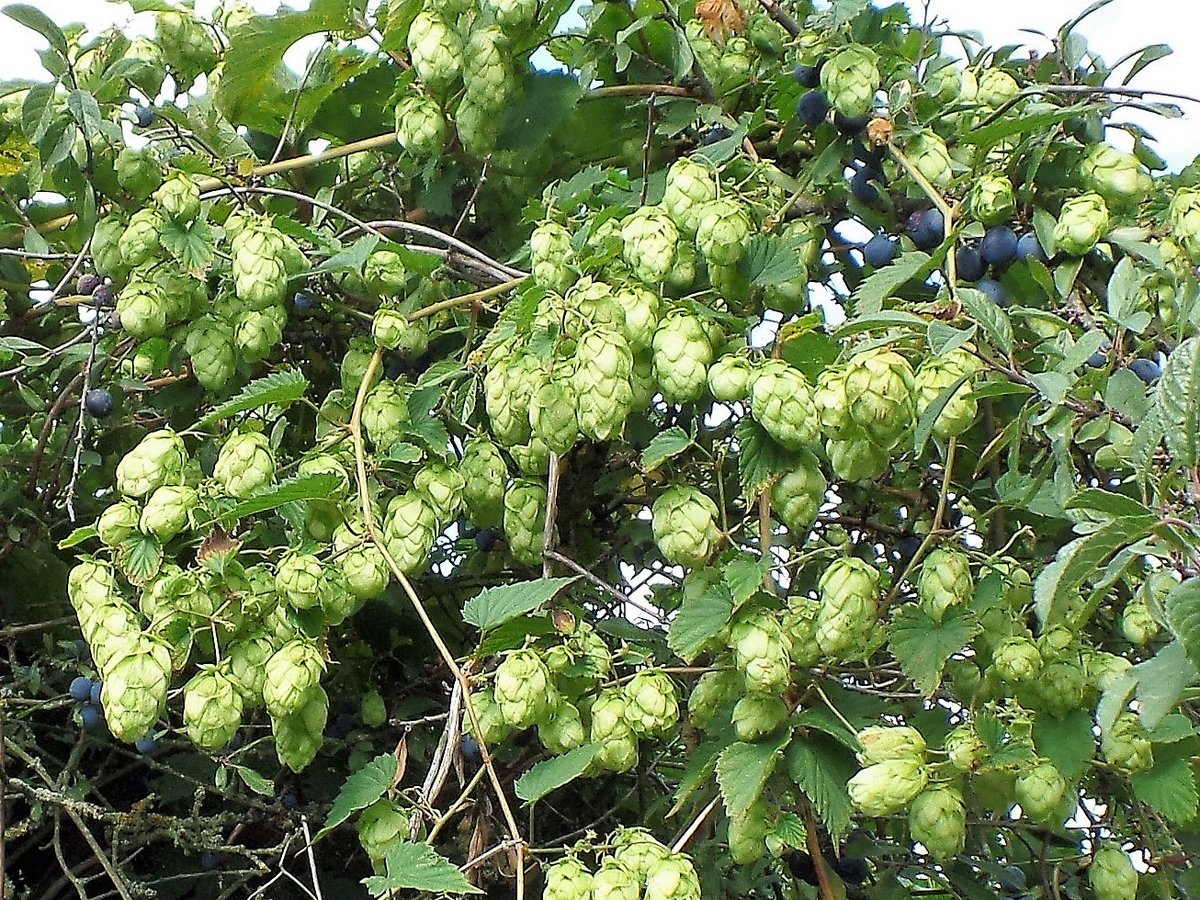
[1122,27]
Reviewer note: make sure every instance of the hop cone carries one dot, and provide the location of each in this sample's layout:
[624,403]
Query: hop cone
[166,511]
[849,613]
[713,691]
[257,331]
[299,735]
[673,878]
[297,579]
[568,879]
[564,730]
[887,787]
[525,520]
[142,307]
[690,184]
[945,581]
[138,172]
[638,850]
[492,727]
[722,231]
[850,79]
[259,266]
[507,388]
[158,458]
[757,715]
[729,378]
[179,196]
[552,256]
[420,126]
[1112,875]
[992,199]
[879,388]
[797,496]
[1081,223]
[881,743]
[936,375]
[522,688]
[610,728]
[1126,746]
[212,710]
[385,414]
[761,650]
[485,70]
[603,365]
[938,819]
[684,523]
[651,704]
[781,401]
[380,826]
[245,464]
[929,155]
[748,833]
[139,242]
[996,88]
[682,355]
[964,747]
[1116,176]
[384,273]
[615,881]
[1183,218]
[409,530]
[135,689]
[1040,791]
[552,414]
[247,661]
[648,243]
[800,624]
[441,487]
[639,315]
[118,522]
[290,673]
[485,474]
[436,50]
[210,345]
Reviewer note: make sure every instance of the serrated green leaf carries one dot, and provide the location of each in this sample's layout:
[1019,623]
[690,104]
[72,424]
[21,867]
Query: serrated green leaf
[769,260]
[276,389]
[789,830]
[760,459]
[923,646]
[1177,399]
[193,245]
[991,318]
[140,556]
[1161,681]
[291,490]
[664,445]
[821,767]
[811,352]
[1108,503]
[1057,583]
[877,287]
[1169,787]
[1067,742]
[1182,607]
[497,605]
[743,769]
[743,575]
[698,621]
[551,774]
[418,867]
[363,788]
[77,537]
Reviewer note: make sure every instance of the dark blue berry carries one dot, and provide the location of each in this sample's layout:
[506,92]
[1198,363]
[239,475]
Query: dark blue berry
[486,539]
[97,688]
[1146,369]
[98,402]
[714,134]
[146,745]
[1012,880]
[968,263]
[91,717]
[210,860]
[872,157]
[812,108]
[1028,247]
[999,246]
[850,125]
[103,295]
[289,800]
[879,251]
[80,689]
[470,749]
[1097,360]
[852,869]
[143,116]
[862,184]
[87,283]
[994,291]
[927,228]
[303,302]
[802,867]
[807,76]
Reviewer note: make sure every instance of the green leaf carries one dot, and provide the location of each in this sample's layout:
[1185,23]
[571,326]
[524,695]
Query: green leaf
[77,537]
[34,18]
[769,260]
[943,339]
[761,460]
[1108,503]
[811,352]
[497,605]
[553,773]
[1010,125]
[743,575]
[352,258]
[418,867]
[1148,55]
[878,286]
[930,416]
[548,100]
[698,621]
[140,557]
[664,445]
[1169,787]
[821,767]
[1058,582]
[256,50]
[1177,398]
[1161,681]
[991,318]
[1067,742]
[743,769]
[255,781]
[291,490]
[193,245]
[86,111]
[363,788]
[789,830]
[1182,607]
[923,646]
[276,389]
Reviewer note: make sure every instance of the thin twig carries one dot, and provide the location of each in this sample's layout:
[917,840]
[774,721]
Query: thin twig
[552,481]
[648,146]
[291,117]
[694,825]
[487,161]
[312,859]
[82,423]
[814,851]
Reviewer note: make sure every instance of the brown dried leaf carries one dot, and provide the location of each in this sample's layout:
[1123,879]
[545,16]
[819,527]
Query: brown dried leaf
[721,18]
[218,543]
